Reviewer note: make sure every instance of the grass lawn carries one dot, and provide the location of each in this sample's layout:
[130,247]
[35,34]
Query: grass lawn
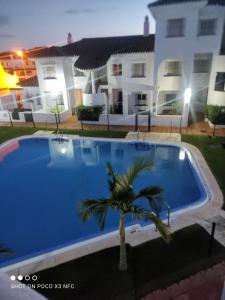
[7,133]
[214,154]
[152,265]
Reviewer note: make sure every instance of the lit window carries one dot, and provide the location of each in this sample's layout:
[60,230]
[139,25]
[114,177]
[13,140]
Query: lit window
[175,28]
[207,27]
[173,68]
[49,72]
[220,82]
[117,69]
[138,70]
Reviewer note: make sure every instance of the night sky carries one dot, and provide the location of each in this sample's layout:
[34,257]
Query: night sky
[31,23]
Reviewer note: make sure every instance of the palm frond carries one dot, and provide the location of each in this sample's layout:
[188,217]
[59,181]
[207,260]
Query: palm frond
[140,165]
[94,208]
[162,227]
[137,212]
[157,203]
[149,191]
[112,175]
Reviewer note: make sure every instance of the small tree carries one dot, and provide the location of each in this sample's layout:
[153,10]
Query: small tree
[122,199]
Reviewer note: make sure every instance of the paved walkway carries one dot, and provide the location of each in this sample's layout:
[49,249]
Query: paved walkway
[154,136]
[199,128]
[220,226]
[205,285]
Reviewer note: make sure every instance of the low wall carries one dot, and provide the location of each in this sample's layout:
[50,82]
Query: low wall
[38,117]
[211,125]
[4,116]
[129,120]
[94,99]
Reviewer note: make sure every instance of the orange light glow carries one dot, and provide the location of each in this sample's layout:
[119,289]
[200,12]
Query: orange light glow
[19,53]
[7,81]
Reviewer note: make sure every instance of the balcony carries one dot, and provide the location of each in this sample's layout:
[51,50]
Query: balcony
[94,99]
[171,83]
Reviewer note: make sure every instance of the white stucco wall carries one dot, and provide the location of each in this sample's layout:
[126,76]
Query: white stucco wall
[184,48]
[216,97]
[126,82]
[63,82]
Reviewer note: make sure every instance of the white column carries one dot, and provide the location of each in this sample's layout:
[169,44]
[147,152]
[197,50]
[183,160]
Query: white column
[187,99]
[125,104]
[93,82]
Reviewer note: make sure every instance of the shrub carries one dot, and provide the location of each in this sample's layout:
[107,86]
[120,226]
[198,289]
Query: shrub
[89,113]
[216,114]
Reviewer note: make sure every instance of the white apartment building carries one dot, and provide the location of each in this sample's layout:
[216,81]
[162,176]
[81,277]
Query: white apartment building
[179,69]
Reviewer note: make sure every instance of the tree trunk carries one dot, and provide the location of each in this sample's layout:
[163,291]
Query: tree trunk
[123,254]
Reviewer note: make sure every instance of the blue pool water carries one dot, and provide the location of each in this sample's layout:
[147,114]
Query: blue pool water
[42,181]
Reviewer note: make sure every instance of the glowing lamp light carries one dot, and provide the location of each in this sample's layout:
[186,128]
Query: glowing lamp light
[187,96]
[182,154]
[19,53]
[7,81]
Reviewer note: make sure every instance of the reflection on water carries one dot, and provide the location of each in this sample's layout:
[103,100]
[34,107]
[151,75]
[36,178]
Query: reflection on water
[8,148]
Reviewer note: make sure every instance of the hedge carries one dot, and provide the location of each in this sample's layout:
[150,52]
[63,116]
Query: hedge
[216,114]
[89,113]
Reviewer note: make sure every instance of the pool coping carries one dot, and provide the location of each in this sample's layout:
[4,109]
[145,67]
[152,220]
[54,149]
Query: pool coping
[135,234]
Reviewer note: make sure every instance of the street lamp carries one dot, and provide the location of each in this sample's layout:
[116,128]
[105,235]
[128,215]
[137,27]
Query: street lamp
[187,95]
[21,54]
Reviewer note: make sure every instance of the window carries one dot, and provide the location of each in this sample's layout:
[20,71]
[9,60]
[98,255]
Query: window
[117,69]
[201,65]
[55,99]
[175,28]
[141,99]
[207,27]
[138,70]
[38,100]
[220,82]
[170,98]
[49,72]
[59,99]
[173,68]
[78,73]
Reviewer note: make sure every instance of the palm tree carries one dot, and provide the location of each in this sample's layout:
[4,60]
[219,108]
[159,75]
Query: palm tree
[122,199]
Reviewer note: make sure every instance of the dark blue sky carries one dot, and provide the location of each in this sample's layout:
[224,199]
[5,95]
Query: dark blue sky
[30,23]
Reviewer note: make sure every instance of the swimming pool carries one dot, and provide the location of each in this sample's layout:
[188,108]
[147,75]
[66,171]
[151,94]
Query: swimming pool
[43,180]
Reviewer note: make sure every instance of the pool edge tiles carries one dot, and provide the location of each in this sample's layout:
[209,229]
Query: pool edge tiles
[138,235]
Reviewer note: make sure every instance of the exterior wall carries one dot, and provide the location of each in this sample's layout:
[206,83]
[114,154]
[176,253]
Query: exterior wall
[62,82]
[126,82]
[167,121]
[184,48]
[31,98]
[216,97]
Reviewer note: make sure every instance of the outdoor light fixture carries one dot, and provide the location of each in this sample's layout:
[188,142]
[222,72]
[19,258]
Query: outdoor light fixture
[187,96]
[19,53]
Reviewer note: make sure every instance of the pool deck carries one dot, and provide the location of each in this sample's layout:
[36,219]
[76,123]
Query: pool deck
[135,235]
[154,136]
[208,284]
